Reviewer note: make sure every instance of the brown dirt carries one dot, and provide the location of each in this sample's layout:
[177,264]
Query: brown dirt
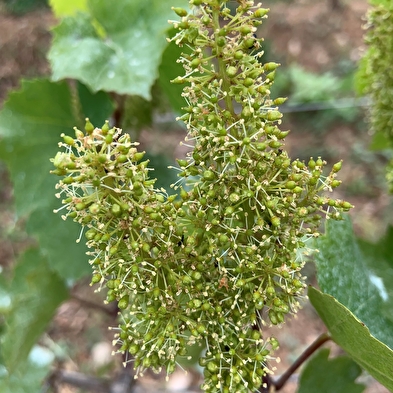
[24,41]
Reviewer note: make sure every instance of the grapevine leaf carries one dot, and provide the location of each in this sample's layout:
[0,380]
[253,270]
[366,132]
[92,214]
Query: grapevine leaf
[123,55]
[165,176]
[31,122]
[138,114]
[320,371]
[97,107]
[354,337]
[27,379]
[342,272]
[30,126]
[63,8]
[36,292]
[381,272]
[169,69]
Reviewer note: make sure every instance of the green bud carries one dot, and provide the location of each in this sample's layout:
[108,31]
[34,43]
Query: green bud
[270,66]
[337,167]
[195,63]
[123,302]
[105,127]
[68,140]
[208,175]
[89,128]
[273,115]
[221,41]
[96,278]
[180,11]
[231,71]
[261,12]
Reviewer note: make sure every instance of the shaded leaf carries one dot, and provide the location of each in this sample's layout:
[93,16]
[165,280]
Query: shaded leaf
[336,375]
[169,69]
[342,272]
[354,337]
[36,292]
[379,259]
[96,106]
[164,175]
[138,114]
[125,57]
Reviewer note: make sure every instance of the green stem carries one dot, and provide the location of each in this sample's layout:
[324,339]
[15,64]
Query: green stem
[301,359]
[226,84]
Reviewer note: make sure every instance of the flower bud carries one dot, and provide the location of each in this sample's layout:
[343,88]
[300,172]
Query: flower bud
[180,11]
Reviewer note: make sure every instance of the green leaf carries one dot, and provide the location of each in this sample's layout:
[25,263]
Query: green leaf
[169,69]
[29,376]
[342,272]
[331,376]
[381,273]
[35,292]
[164,175]
[63,8]
[27,379]
[124,56]
[380,141]
[354,337]
[137,115]
[31,122]
[96,106]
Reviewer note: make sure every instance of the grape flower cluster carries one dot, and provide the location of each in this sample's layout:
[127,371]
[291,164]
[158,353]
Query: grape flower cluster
[374,77]
[214,261]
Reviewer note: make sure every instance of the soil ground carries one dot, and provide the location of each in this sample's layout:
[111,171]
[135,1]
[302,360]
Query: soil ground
[318,35]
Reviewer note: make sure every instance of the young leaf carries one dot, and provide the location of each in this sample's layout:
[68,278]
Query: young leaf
[354,337]
[342,272]
[36,292]
[123,55]
[337,375]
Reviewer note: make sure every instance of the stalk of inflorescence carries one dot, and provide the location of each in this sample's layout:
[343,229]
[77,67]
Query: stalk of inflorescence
[213,262]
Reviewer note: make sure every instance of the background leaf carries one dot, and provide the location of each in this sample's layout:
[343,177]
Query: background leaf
[27,379]
[336,375]
[169,69]
[342,271]
[379,259]
[30,126]
[35,292]
[63,8]
[96,106]
[124,55]
[354,337]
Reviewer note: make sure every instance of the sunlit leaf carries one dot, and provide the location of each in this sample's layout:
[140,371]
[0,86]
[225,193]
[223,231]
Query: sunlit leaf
[123,57]
[63,8]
